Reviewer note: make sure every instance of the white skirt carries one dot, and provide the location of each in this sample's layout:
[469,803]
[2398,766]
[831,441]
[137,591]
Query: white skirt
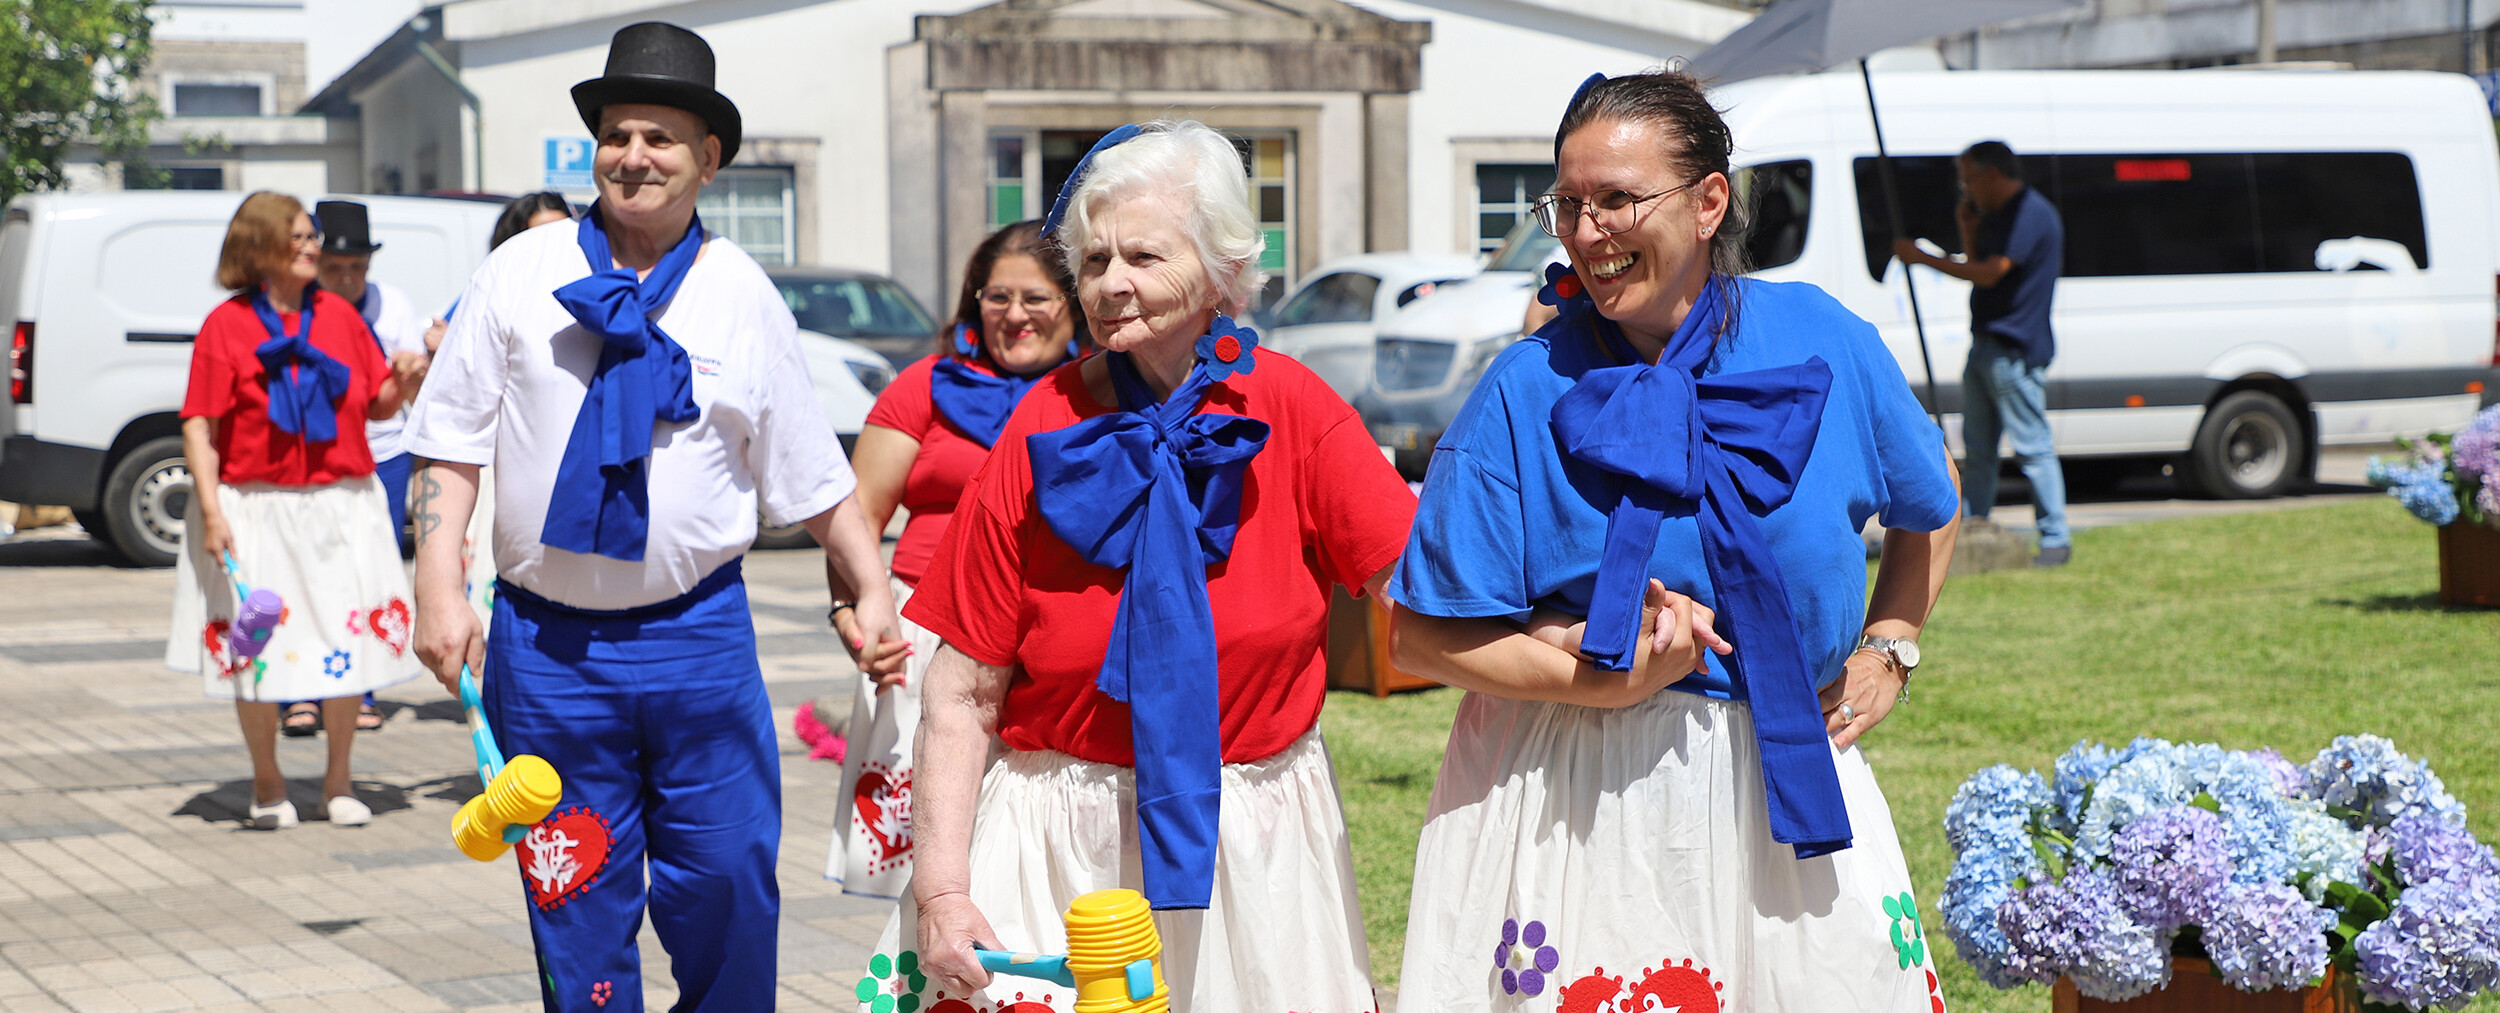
[329,553]
[1587,859]
[1283,932]
[871,853]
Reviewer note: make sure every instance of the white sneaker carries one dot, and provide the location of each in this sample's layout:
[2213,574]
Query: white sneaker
[346,811]
[272,817]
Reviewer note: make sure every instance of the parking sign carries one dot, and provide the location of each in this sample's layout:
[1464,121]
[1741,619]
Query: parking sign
[568,164]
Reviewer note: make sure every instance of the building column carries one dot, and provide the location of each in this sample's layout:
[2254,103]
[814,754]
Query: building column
[915,197]
[1385,173]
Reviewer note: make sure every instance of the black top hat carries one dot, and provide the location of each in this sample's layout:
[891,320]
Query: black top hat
[343,227]
[660,64]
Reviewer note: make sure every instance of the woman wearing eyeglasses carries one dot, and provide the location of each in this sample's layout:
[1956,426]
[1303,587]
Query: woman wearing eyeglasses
[283,378]
[1638,550]
[928,433]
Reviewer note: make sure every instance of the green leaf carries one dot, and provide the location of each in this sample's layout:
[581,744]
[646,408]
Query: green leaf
[2206,802]
[2366,910]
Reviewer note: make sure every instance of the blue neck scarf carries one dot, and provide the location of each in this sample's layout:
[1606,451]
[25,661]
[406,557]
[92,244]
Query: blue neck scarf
[602,499]
[1724,450]
[1155,489]
[305,383]
[976,401]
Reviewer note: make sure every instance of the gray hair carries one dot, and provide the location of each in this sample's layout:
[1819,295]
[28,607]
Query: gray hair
[1190,157]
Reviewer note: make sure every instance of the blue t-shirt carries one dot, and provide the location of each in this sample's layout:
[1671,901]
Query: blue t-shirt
[1508,524]
[2016,308]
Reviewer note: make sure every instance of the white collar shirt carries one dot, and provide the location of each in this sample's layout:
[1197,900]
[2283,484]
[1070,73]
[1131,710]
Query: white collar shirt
[510,379]
[400,327]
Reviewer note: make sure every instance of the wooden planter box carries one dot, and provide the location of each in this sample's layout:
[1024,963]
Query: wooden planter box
[2194,989]
[2469,565]
[1358,648]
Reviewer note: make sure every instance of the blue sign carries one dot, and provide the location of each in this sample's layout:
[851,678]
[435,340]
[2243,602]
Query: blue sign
[2491,90]
[568,163]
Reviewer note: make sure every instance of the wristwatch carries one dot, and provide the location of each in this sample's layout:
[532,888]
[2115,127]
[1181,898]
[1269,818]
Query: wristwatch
[1901,651]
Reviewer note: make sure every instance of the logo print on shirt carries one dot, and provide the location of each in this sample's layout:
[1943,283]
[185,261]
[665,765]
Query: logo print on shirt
[562,855]
[704,364]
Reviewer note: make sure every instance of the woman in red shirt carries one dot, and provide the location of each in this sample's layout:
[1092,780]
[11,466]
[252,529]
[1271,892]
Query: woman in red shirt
[283,377]
[1133,596]
[930,431]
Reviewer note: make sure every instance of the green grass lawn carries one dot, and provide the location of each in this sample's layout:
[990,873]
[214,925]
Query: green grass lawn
[2281,629]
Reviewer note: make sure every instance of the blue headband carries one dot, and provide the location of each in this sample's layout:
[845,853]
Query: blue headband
[1593,81]
[1067,190]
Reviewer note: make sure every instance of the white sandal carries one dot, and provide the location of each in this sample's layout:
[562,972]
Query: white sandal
[347,811]
[273,817]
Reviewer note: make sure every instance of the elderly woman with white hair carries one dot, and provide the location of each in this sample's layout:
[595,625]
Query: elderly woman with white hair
[1133,597]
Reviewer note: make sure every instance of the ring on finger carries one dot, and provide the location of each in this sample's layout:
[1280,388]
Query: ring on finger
[1848,714]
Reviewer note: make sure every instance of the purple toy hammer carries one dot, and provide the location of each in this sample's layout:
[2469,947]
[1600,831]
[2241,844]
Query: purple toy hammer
[256,614]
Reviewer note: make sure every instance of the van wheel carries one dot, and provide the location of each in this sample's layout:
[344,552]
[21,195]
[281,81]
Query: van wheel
[2249,447]
[145,498]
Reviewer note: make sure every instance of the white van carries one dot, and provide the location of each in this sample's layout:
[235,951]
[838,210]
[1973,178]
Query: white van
[2257,262]
[103,293]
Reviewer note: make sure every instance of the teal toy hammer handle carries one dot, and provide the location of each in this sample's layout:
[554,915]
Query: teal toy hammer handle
[481,737]
[1039,966]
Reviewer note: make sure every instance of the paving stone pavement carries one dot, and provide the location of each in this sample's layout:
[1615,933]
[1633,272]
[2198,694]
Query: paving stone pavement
[126,885]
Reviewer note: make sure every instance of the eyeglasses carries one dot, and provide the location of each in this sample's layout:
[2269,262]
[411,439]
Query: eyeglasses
[302,238]
[1000,299]
[1612,210]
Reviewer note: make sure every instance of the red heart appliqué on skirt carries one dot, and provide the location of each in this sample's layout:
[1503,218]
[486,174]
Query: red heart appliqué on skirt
[882,807]
[563,855]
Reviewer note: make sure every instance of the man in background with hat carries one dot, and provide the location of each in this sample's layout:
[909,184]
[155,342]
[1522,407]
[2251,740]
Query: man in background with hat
[638,387]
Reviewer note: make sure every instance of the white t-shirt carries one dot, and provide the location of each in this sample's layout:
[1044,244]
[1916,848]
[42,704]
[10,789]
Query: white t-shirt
[401,327]
[510,379]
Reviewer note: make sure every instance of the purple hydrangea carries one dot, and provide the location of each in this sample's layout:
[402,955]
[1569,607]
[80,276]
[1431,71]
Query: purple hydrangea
[2078,927]
[2149,776]
[2265,936]
[2428,848]
[2171,866]
[2476,448]
[2367,774]
[2440,946]
[2289,780]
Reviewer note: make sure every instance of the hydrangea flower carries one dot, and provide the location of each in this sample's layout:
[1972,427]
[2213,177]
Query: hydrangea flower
[2079,928]
[2256,813]
[2265,936]
[2440,946]
[1987,825]
[2427,848]
[2476,448]
[2321,847]
[2147,778]
[2365,773]
[2171,866]
[2289,780]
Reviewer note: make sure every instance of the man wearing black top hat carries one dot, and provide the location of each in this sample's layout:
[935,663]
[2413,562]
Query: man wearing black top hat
[636,382]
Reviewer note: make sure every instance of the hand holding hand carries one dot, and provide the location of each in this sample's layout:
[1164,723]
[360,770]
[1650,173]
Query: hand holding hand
[1869,687]
[1675,633]
[434,335]
[950,929]
[872,633]
[410,368]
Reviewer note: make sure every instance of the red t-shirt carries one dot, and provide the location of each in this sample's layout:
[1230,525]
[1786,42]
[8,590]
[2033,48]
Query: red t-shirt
[228,382]
[1320,507]
[946,464]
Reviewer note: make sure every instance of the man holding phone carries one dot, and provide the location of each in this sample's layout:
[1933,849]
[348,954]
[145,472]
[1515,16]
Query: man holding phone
[2014,243]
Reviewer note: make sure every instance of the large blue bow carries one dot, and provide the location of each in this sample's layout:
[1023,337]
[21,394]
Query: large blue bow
[602,498]
[976,402]
[303,400]
[1721,449]
[1155,489]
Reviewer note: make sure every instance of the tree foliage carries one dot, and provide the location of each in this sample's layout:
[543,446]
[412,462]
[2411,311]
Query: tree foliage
[69,75]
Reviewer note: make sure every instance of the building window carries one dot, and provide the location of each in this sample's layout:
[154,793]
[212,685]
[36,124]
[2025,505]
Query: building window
[1027,167]
[1504,195]
[204,99]
[177,177]
[1010,197]
[752,206]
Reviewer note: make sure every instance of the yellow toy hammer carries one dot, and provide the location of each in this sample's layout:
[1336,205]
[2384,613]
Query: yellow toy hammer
[518,793]
[1114,961]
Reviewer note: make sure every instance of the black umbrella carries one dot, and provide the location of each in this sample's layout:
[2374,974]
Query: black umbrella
[1804,36]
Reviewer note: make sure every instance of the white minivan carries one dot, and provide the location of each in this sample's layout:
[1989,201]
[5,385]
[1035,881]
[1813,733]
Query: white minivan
[2257,262]
[102,294]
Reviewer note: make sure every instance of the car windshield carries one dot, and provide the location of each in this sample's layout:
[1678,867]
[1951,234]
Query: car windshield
[853,307]
[1525,249]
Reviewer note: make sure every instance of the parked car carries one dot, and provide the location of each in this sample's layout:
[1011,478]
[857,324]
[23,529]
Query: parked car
[1429,354]
[1327,321]
[2257,262]
[859,306]
[103,293]
[848,377]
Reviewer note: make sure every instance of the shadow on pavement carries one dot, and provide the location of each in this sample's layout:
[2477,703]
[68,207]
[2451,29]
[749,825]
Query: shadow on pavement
[60,552]
[456,788]
[231,801]
[431,710]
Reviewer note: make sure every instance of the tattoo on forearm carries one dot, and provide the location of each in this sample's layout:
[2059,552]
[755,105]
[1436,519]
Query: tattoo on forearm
[423,510]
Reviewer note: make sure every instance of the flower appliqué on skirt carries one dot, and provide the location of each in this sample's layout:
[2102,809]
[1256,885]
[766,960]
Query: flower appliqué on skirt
[1684,987]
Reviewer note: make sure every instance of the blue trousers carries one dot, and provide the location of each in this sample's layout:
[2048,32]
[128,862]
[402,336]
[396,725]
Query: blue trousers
[394,476]
[657,720]
[2002,396]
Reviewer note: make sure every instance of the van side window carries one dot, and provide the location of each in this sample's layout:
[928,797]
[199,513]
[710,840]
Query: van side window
[1777,197]
[2134,215]
[1344,297]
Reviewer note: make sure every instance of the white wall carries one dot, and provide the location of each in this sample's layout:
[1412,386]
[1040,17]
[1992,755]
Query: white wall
[1498,70]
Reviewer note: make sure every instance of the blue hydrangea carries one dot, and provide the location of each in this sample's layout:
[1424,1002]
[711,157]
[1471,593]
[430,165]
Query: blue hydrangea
[2418,480]
[2256,813]
[2079,928]
[1986,823]
[2440,946]
[2265,936]
[2289,780]
[2076,771]
[2321,847]
[2147,777]
[2171,866]
[2366,773]
[2428,848]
